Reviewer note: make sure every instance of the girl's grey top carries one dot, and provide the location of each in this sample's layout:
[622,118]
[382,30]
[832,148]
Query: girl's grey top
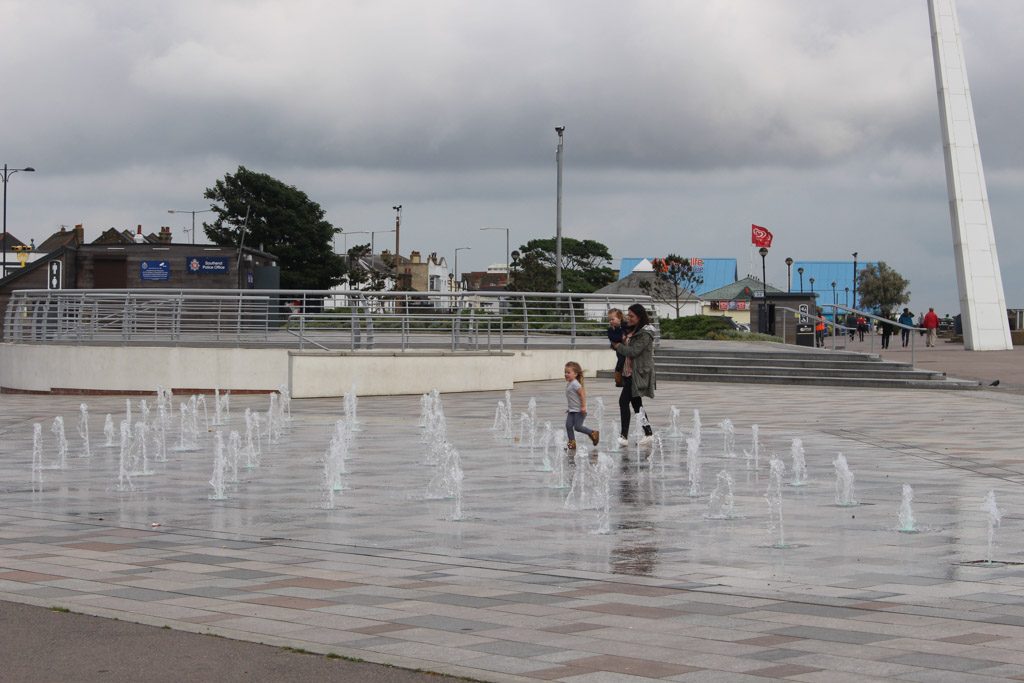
[573,397]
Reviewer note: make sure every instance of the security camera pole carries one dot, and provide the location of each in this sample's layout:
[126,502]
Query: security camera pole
[558,212]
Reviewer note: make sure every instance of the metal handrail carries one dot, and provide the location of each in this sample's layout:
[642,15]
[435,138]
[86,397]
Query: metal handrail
[321,319]
[837,308]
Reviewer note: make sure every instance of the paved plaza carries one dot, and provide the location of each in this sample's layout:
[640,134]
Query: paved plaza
[523,587]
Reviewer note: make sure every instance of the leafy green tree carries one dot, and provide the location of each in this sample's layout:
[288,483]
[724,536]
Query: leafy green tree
[674,281]
[282,220]
[586,266]
[882,288]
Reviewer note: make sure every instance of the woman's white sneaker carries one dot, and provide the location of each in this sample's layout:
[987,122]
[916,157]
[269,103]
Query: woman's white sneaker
[623,442]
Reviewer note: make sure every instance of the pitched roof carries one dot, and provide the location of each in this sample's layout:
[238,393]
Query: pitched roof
[61,238]
[737,290]
[631,285]
[12,242]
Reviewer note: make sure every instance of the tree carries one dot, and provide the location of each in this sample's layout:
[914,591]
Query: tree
[282,220]
[367,279]
[674,281]
[882,288]
[586,266]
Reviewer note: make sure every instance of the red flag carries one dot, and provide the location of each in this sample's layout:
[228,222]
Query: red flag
[760,237]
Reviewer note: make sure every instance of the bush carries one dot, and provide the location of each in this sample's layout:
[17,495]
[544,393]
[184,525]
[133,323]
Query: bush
[693,326]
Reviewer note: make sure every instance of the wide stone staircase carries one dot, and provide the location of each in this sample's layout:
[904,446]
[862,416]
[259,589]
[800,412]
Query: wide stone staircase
[781,364]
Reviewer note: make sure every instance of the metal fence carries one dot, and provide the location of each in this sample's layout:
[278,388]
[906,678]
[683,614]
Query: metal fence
[303,319]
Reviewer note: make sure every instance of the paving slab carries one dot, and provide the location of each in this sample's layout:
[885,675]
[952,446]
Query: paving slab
[522,579]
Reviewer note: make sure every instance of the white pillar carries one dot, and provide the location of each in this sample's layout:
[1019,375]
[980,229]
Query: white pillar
[982,302]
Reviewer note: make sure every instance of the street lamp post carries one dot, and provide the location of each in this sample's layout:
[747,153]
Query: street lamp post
[193,218]
[762,318]
[847,296]
[558,210]
[835,301]
[854,279]
[345,234]
[8,172]
[789,274]
[372,234]
[398,230]
[763,251]
[800,272]
[457,250]
[811,280]
[507,252]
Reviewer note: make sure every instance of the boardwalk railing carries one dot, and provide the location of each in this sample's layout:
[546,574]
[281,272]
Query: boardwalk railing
[303,319]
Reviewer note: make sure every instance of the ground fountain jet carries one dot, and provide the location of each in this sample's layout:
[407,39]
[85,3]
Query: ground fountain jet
[351,409]
[774,497]
[695,427]
[673,428]
[124,460]
[995,518]
[83,429]
[37,453]
[844,482]
[753,456]
[62,443]
[906,524]
[728,438]
[217,480]
[721,501]
[799,463]
[602,476]
[693,466]
[108,431]
[140,453]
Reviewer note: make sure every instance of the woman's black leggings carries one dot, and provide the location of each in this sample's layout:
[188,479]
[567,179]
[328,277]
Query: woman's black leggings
[626,401]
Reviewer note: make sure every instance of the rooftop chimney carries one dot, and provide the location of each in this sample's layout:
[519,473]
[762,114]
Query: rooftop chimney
[79,234]
[139,238]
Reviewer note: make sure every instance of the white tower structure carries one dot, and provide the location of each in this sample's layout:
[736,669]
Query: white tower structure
[982,301]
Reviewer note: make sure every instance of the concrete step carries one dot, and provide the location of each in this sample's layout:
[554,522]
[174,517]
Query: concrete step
[810,367]
[881,372]
[829,362]
[815,380]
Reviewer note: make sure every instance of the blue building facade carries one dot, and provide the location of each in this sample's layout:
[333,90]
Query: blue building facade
[717,272]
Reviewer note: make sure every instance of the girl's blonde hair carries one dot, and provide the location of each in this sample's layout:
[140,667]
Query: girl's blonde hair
[617,312]
[577,369]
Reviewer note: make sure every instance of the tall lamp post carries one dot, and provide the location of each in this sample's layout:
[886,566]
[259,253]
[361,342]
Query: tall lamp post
[457,250]
[558,210]
[800,272]
[789,274]
[847,296]
[854,279]
[811,280]
[835,301]
[507,252]
[762,318]
[763,251]
[398,231]
[193,218]
[374,233]
[8,172]
[346,233]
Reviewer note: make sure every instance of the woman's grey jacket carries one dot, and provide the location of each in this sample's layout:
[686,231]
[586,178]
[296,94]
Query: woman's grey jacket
[640,348]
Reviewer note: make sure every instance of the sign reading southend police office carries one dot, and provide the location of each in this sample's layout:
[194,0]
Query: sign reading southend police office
[206,265]
[154,270]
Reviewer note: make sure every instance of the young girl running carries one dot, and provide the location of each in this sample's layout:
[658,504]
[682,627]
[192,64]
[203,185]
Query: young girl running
[576,396]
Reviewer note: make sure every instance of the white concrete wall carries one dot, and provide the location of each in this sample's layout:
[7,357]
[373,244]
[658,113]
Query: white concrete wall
[49,368]
[45,367]
[322,374]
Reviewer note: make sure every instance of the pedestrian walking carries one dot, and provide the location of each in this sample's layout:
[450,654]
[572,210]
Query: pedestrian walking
[638,376]
[906,318]
[931,326]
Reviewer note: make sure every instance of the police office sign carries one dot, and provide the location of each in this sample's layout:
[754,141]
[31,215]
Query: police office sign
[206,265]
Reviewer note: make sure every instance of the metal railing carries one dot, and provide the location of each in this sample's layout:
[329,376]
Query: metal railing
[840,330]
[303,319]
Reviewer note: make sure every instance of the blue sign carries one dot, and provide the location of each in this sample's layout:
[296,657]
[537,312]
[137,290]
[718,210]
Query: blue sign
[206,265]
[155,270]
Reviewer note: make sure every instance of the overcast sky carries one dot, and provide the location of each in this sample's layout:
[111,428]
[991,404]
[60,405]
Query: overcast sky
[686,121]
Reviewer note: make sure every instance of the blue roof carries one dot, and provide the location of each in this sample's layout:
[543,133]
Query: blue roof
[717,272]
[824,273]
